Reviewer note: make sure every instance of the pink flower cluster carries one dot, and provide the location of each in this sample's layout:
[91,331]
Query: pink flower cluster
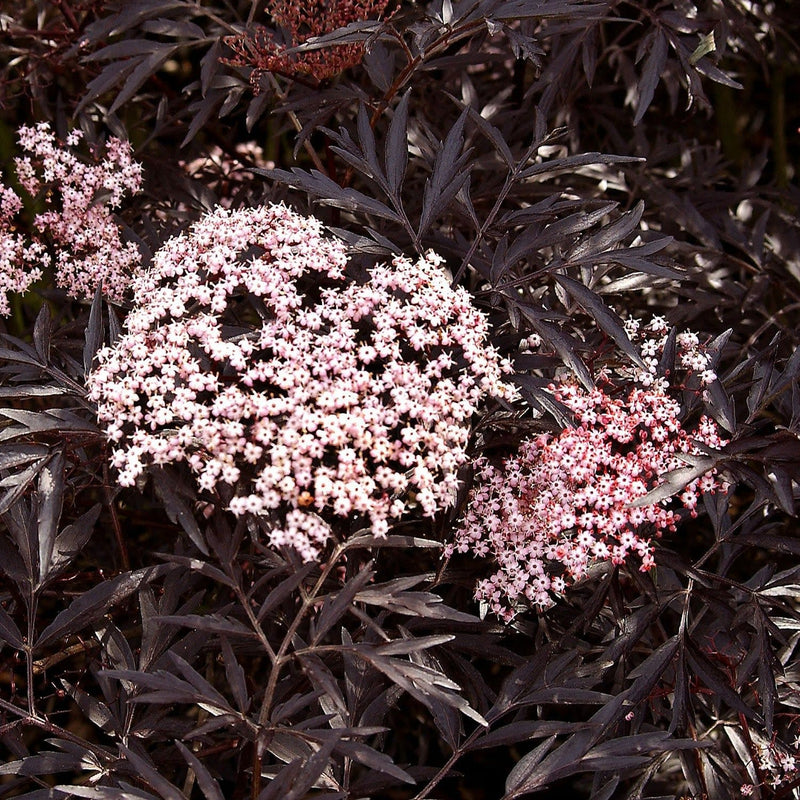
[78,221]
[251,358]
[564,502]
[776,764]
[20,260]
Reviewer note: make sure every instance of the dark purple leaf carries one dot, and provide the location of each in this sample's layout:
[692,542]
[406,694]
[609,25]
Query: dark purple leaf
[94,603]
[95,710]
[651,71]
[208,785]
[146,771]
[449,174]
[94,331]
[329,192]
[49,494]
[335,606]
[42,333]
[237,680]
[396,153]
[606,319]
[210,622]
[283,590]
[9,632]
[169,490]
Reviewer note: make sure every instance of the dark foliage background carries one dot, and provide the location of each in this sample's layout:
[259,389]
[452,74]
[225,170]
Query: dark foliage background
[573,161]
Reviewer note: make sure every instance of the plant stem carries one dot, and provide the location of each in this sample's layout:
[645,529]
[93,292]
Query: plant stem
[280,658]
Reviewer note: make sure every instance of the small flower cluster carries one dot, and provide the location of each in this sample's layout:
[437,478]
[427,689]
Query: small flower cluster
[347,399]
[78,221]
[564,502]
[776,764]
[301,21]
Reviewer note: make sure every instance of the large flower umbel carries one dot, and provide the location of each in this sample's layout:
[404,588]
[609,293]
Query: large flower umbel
[249,356]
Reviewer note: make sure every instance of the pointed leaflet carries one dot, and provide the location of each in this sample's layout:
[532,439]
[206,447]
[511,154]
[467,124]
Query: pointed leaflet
[147,67]
[96,710]
[72,539]
[53,419]
[208,785]
[94,331]
[50,494]
[420,682]
[124,792]
[110,76]
[22,530]
[608,236]
[211,622]
[312,769]
[284,589]
[147,772]
[445,717]
[281,781]
[516,732]
[606,319]
[336,605]
[9,632]
[425,605]
[203,687]
[535,238]
[565,760]
[331,699]
[329,192]
[526,766]
[560,343]
[396,153]
[651,72]
[203,567]
[369,149]
[448,175]
[373,759]
[44,764]
[17,485]
[713,678]
[92,605]
[627,752]
[168,490]
[493,135]
[569,163]
[411,645]
[168,689]
[676,480]
[41,333]
[235,675]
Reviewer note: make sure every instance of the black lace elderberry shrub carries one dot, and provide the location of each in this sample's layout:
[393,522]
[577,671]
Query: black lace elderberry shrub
[576,165]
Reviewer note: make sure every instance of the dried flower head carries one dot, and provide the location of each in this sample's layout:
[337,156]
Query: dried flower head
[564,502]
[301,21]
[250,357]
